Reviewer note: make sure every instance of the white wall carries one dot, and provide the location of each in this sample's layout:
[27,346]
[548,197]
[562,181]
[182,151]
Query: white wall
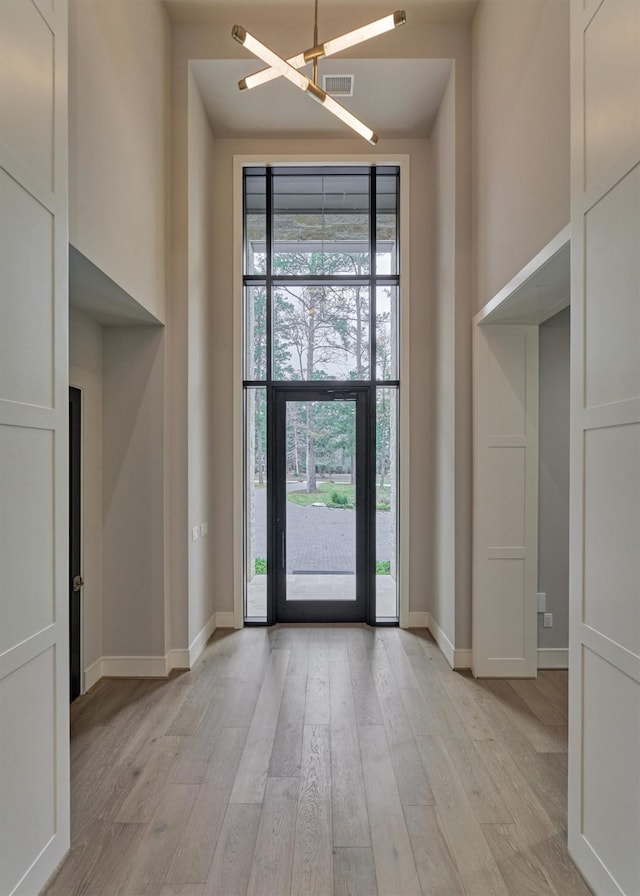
[520,135]
[85,372]
[553,483]
[118,142]
[202,42]
[133,492]
[202,424]
[442,603]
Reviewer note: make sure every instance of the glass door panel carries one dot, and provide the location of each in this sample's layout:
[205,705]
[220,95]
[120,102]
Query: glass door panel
[321,501]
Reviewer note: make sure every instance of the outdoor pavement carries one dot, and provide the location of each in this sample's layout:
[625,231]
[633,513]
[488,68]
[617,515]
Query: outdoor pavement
[321,550]
[320,539]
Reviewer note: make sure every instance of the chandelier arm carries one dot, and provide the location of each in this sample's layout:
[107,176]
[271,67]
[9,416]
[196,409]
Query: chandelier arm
[329,48]
[302,82]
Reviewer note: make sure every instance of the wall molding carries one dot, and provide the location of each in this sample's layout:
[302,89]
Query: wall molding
[199,643]
[225,620]
[156,666]
[134,666]
[92,674]
[418,620]
[553,657]
[456,657]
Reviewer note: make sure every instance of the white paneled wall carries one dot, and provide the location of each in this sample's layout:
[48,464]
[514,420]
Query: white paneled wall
[604,723]
[505,521]
[34,675]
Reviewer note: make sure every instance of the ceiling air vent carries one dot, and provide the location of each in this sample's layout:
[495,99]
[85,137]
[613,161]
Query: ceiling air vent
[338,85]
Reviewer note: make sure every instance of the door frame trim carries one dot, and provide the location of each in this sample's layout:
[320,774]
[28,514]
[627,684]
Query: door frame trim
[404,491]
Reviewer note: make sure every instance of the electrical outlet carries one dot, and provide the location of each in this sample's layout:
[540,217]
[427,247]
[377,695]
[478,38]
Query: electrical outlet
[542,601]
[195,533]
[547,620]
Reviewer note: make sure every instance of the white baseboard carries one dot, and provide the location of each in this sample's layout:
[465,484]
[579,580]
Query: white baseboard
[134,666]
[553,657]
[178,659]
[456,657]
[155,666]
[200,642]
[225,620]
[92,674]
[418,620]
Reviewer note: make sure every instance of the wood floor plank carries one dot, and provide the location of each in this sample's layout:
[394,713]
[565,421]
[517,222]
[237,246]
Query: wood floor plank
[231,867]
[445,718]
[478,869]
[287,744]
[197,847]
[506,710]
[349,804]
[144,797]
[484,798]
[145,874]
[508,792]
[519,796]
[363,685]
[254,765]
[273,856]
[182,890]
[461,690]
[436,866]
[418,709]
[399,661]
[408,768]
[518,866]
[100,848]
[539,705]
[312,872]
[354,872]
[317,704]
[393,856]
[559,870]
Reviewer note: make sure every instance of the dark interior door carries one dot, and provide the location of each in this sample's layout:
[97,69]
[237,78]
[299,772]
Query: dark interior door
[75,580]
[322,517]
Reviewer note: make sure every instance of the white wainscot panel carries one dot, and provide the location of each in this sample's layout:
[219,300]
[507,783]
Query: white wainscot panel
[26,87]
[26,534]
[27,756]
[505,605]
[612,533]
[612,88]
[612,305]
[506,509]
[611,775]
[26,296]
[507,382]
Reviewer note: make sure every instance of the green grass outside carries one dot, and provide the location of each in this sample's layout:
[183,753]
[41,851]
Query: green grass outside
[383,567]
[343,490]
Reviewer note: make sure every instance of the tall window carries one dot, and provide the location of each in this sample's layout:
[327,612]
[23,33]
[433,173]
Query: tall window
[321,289]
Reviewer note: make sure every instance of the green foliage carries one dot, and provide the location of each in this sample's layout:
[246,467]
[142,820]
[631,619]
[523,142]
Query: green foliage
[340,500]
[383,567]
[261,566]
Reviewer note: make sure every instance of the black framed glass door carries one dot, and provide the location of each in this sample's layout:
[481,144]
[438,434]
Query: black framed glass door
[321,524]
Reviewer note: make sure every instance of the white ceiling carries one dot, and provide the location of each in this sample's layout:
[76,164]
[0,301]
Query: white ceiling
[301,11]
[397,98]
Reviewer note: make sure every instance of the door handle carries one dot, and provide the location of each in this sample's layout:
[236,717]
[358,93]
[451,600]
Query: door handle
[77,583]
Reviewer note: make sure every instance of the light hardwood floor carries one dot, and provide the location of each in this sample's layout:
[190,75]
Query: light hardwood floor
[304,761]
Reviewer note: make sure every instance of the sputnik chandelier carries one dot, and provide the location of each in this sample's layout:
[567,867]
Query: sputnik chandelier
[289,68]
